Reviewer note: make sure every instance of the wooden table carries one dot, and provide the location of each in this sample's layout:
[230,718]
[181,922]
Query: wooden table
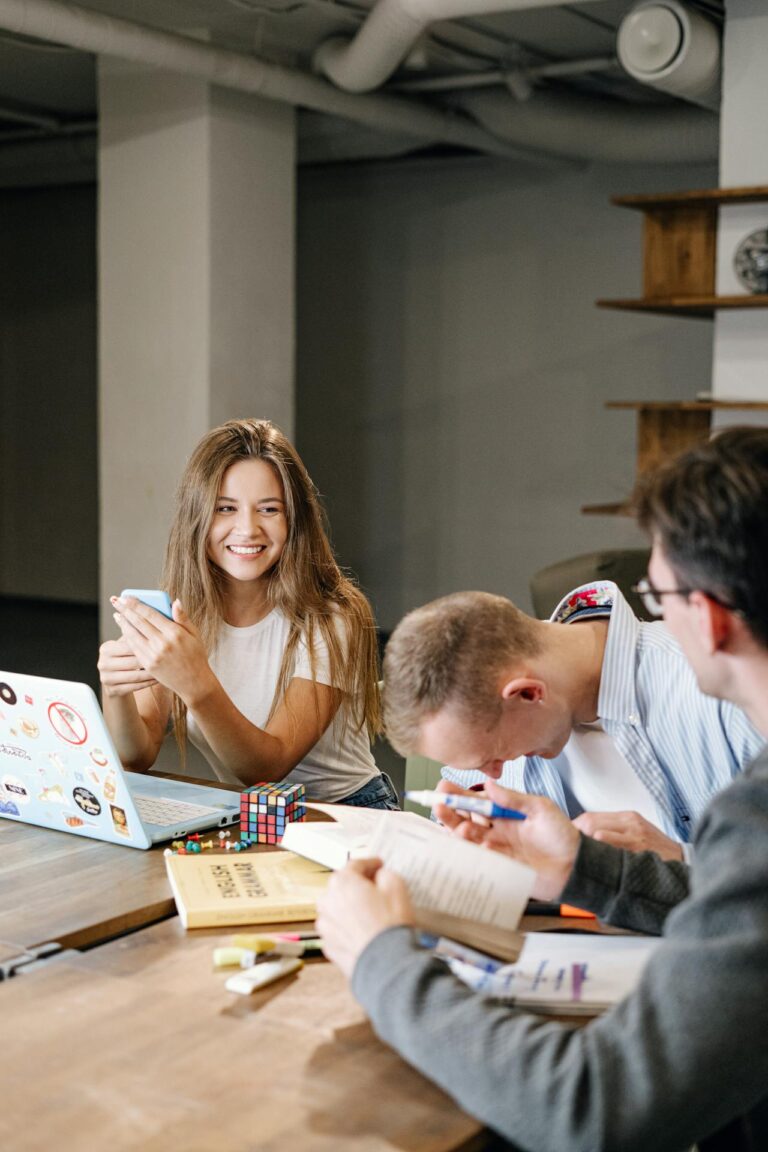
[8,950]
[137,1045]
[55,886]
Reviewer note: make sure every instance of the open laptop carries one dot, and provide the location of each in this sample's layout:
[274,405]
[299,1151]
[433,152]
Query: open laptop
[59,769]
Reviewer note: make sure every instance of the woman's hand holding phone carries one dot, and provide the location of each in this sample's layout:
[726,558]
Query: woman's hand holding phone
[168,650]
[120,672]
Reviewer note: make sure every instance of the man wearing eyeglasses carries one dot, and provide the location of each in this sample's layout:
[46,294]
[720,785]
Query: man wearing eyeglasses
[684,1058]
[594,709]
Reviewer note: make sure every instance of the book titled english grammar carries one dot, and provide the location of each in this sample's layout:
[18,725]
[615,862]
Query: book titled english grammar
[250,888]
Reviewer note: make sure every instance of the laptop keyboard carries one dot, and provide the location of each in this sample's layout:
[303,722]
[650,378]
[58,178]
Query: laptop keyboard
[162,811]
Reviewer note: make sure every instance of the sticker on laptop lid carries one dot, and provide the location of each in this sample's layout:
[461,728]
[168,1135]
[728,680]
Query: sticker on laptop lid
[58,762]
[119,820]
[76,822]
[7,694]
[29,727]
[67,723]
[86,801]
[15,751]
[53,795]
[16,789]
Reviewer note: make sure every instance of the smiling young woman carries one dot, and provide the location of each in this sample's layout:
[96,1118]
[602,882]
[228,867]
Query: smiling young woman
[269,664]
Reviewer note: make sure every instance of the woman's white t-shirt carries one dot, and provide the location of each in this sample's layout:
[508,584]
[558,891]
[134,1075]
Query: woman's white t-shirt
[247,662]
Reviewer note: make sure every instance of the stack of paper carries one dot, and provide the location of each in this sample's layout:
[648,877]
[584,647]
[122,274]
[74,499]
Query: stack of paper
[568,974]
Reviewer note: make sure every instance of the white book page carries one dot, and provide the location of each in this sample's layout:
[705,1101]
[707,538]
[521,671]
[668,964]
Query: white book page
[318,837]
[449,875]
[347,834]
[363,822]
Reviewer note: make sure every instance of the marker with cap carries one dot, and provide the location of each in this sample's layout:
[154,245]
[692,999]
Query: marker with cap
[251,979]
[480,805]
[296,935]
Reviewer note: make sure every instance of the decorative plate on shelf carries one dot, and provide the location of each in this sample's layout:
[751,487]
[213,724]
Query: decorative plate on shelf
[750,261]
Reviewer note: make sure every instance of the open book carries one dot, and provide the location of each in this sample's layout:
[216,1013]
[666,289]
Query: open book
[459,889]
[573,975]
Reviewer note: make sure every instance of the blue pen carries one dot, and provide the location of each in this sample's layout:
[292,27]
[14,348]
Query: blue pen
[478,804]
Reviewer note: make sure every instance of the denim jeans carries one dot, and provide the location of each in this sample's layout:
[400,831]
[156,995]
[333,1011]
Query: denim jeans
[377,793]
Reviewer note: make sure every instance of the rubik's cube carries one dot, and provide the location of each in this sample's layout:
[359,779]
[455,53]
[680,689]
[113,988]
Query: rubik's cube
[266,809]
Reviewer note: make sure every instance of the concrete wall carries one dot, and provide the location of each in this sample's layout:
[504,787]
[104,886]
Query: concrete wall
[452,367]
[48,437]
[196,234]
[452,371]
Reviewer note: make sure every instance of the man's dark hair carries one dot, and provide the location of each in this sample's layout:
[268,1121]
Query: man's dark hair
[708,509]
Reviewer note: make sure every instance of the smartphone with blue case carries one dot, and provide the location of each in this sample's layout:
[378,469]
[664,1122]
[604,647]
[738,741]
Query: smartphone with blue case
[152,597]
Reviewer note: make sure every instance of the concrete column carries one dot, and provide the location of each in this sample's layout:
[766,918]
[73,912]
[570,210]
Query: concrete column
[740,369]
[196,292]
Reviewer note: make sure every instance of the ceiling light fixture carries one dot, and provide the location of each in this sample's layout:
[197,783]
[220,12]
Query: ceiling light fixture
[667,45]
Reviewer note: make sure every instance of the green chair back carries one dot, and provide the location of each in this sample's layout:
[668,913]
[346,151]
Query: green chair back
[420,773]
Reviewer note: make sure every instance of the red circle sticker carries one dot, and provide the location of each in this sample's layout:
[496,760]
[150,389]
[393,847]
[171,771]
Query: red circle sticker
[67,723]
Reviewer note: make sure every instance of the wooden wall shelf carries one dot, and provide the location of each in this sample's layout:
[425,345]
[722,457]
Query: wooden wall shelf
[702,196]
[679,241]
[701,306]
[665,428]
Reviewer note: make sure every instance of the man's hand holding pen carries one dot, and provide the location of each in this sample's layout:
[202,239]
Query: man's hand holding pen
[545,840]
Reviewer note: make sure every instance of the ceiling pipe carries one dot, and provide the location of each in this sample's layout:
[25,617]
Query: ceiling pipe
[28,160]
[581,127]
[29,116]
[94,32]
[391,31]
[60,129]
[492,76]
[325,140]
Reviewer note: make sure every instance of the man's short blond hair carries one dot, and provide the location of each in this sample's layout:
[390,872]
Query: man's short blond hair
[452,652]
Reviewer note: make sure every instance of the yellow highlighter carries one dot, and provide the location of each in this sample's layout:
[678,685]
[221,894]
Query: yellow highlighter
[260,944]
[230,957]
[254,943]
[246,951]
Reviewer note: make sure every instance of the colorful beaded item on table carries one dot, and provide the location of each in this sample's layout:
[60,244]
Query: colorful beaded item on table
[267,809]
[190,846]
[196,844]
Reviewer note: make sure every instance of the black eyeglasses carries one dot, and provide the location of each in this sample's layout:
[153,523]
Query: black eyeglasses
[651,597]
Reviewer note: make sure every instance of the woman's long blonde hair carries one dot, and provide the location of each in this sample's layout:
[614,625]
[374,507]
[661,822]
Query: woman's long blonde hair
[306,584]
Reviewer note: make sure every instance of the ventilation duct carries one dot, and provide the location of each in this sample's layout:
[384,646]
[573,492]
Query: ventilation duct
[668,46]
[544,127]
[95,32]
[390,33]
[580,127]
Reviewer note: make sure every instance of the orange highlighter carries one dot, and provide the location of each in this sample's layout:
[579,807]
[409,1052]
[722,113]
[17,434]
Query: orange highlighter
[544,908]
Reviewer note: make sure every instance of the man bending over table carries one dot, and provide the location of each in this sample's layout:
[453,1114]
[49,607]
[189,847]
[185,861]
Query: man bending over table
[684,1058]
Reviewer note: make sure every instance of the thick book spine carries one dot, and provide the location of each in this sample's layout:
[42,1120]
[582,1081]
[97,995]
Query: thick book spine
[225,917]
